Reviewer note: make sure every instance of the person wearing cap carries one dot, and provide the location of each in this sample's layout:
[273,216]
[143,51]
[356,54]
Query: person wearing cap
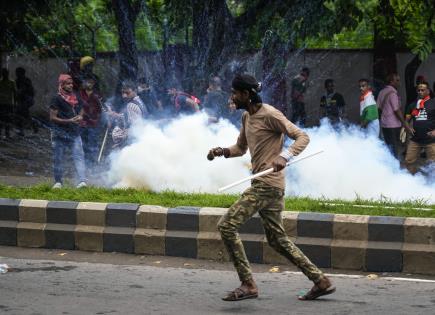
[86,72]
[66,113]
[262,132]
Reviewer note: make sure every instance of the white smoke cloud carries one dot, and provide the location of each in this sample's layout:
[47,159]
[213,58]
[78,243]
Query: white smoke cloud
[354,165]
[173,157]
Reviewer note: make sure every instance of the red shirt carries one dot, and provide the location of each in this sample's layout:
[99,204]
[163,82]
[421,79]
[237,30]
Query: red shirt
[91,109]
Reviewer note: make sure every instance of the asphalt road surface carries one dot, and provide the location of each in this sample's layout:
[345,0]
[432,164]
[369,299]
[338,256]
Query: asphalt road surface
[66,282]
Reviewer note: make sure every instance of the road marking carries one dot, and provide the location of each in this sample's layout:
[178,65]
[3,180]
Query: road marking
[371,206]
[409,279]
[342,275]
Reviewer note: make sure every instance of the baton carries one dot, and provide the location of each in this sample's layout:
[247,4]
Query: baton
[103,144]
[268,171]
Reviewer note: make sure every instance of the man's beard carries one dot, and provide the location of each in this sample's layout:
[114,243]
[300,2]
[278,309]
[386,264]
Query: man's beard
[240,105]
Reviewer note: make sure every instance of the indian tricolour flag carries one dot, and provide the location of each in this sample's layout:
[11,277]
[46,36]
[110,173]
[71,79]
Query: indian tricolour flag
[368,108]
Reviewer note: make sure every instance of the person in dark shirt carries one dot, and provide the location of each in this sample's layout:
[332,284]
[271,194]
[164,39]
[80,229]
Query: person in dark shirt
[25,100]
[422,115]
[332,103]
[66,113]
[91,123]
[299,87]
[411,95]
[149,98]
[216,100]
[7,102]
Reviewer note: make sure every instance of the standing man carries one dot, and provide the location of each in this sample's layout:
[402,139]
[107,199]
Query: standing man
[263,130]
[148,97]
[66,113]
[90,125]
[7,102]
[332,104]
[132,111]
[392,118]
[422,114]
[299,87]
[368,110]
[216,100]
[25,100]
[87,71]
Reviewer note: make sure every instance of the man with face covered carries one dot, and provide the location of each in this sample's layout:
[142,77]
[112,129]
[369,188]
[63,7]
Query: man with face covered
[262,132]
[66,113]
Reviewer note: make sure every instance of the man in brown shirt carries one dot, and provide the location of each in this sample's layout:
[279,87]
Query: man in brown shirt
[262,132]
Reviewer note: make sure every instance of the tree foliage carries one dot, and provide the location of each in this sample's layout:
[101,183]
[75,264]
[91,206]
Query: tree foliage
[411,23]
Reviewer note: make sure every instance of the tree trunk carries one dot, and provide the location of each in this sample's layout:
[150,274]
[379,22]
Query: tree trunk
[274,60]
[384,52]
[128,57]
[410,71]
[221,23]
[200,38]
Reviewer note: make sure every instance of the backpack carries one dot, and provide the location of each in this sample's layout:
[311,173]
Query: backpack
[177,101]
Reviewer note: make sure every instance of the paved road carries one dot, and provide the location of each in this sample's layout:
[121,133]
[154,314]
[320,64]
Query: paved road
[129,284]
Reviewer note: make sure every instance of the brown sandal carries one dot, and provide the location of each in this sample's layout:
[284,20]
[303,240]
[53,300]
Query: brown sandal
[239,294]
[314,294]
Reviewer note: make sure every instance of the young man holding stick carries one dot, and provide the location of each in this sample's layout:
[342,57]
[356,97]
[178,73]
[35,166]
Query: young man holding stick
[263,130]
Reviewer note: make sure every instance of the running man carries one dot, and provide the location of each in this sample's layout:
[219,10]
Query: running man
[262,132]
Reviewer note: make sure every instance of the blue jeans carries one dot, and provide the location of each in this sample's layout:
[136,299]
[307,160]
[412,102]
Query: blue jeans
[90,140]
[60,144]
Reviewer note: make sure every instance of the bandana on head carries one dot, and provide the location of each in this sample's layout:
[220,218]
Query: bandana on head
[246,82]
[69,97]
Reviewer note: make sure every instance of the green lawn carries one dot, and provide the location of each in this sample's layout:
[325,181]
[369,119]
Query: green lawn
[173,199]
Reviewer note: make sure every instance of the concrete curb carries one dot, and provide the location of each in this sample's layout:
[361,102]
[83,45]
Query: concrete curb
[369,243]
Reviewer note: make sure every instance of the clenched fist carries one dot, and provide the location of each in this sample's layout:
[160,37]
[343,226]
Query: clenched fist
[215,152]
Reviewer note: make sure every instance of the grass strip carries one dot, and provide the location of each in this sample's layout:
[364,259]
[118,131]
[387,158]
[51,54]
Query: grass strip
[358,206]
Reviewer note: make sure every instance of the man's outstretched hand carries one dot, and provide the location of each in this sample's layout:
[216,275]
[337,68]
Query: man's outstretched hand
[215,152]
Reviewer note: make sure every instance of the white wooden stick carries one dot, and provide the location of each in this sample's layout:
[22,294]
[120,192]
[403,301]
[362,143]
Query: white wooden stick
[103,145]
[268,171]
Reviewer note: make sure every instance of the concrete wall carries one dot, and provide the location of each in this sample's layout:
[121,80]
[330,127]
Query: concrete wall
[338,241]
[346,67]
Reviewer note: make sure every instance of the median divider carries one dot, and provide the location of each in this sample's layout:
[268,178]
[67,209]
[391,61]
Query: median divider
[338,241]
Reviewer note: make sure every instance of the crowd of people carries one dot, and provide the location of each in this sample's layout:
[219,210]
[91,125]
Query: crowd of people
[411,127]
[16,99]
[85,123]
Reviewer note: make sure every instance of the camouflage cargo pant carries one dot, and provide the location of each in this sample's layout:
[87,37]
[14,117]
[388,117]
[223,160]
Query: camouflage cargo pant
[269,202]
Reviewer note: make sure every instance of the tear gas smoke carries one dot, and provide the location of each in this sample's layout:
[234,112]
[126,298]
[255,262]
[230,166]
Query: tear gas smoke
[173,157]
[354,165]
